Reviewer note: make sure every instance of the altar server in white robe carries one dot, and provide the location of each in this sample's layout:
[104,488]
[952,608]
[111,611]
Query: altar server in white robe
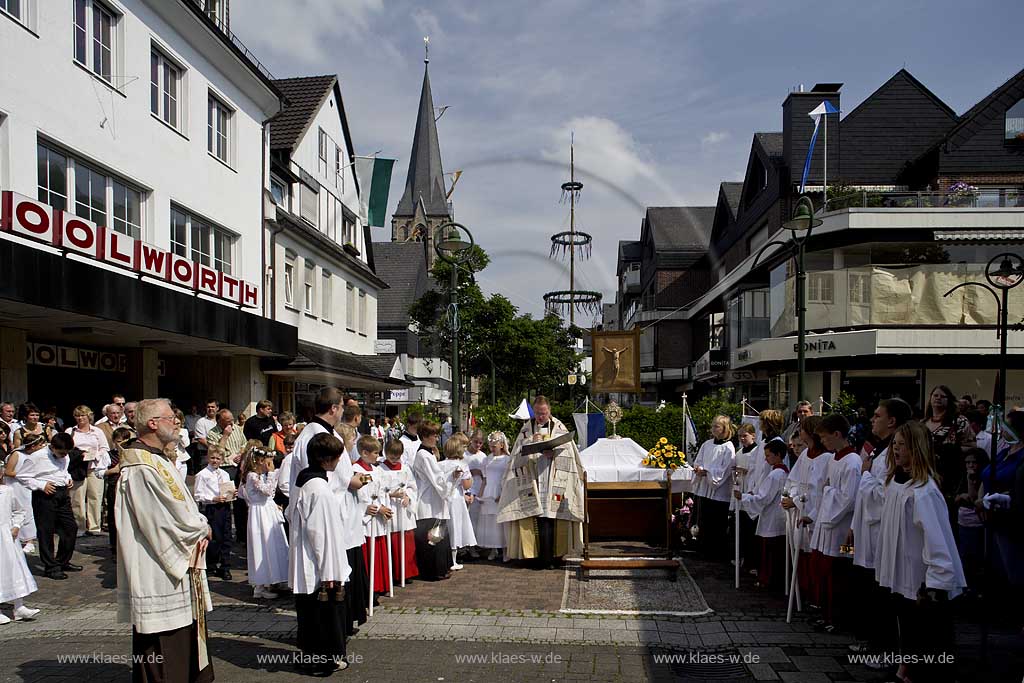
[490,534]
[433,543]
[318,560]
[713,471]
[765,504]
[401,486]
[750,468]
[357,597]
[16,580]
[801,498]
[410,439]
[873,626]
[833,521]
[161,542]
[917,557]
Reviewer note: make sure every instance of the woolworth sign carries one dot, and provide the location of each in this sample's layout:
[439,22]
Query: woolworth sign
[26,217]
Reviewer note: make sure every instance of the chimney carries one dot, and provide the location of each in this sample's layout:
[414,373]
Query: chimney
[797,128]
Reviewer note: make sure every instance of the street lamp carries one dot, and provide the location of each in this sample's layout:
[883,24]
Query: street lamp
[801,224]
[454,243]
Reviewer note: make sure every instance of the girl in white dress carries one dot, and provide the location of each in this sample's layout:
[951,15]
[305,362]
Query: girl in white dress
[765,505]
[15,578]
[490,534]
[459,496]
[713,469]
[267,547]
[917,557]
[475,460]
[15,463]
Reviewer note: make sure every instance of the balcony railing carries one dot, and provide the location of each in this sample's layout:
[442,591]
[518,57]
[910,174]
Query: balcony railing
[235,40]
[985,197]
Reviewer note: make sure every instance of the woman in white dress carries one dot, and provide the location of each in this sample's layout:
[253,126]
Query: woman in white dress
[15,578]
[267,547]
[490,534]
[459,496]
[917,557]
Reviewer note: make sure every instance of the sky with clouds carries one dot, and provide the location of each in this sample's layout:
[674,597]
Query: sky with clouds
[663,96]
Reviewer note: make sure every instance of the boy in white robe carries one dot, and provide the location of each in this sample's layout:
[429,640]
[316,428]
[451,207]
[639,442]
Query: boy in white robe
[318,560]
[800,499]
[161,543]
[765,505]
[834,518]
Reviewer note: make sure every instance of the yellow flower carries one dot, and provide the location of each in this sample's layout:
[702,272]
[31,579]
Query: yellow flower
[661,465]
[662,440]
[646,462]
[672,466]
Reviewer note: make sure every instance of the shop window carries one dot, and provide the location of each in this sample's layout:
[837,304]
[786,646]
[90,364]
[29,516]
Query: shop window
[820,288]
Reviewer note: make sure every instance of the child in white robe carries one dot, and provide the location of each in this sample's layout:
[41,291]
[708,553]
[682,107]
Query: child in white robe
[800,499]
[713,471]
[490,534]
[15,578]
[318,559]
[917,557]
[833,521]
[267,547]
[459,497]
[400,484]
[15,463]
[475,459]
[765,504]
[750,468]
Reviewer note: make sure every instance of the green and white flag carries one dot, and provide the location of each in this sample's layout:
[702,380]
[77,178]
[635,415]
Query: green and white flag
[374,175]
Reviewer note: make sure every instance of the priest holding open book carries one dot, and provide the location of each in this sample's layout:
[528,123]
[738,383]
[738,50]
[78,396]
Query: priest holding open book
[542,495]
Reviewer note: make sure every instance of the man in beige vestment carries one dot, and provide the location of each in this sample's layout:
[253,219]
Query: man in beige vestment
[161,539]
[542,495]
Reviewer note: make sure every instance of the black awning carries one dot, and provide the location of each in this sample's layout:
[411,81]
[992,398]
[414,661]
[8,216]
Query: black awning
[321,364]
[39,278]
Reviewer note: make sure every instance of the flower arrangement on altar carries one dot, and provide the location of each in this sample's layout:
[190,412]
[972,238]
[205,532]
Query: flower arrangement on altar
[665,456]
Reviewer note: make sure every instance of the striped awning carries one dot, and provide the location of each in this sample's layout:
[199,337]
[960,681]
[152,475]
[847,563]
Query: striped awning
[987,234]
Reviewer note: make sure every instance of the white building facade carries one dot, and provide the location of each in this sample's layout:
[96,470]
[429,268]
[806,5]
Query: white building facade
[138,129]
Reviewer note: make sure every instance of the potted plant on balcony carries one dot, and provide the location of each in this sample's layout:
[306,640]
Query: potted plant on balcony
[351,249]
[961,194]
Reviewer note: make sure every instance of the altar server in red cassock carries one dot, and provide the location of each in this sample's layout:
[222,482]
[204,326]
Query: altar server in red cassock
[401,487]
[377,513]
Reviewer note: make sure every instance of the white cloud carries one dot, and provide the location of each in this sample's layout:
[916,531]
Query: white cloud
[427,23]
[713,138]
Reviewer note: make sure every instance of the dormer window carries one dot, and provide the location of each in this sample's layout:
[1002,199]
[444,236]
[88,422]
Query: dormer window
[1015,122]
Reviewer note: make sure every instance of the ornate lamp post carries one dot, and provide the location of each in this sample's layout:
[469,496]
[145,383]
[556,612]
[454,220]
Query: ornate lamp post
[454,243]
[801,225]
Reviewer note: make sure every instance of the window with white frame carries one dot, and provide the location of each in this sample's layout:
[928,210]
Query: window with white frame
[326,295]
[362,311]
[349,232]
[820,288]
[350,307]
[218,129]
[12,7]
[95,25]
[339,175]
[323,143]
[309,203]
[1014,120]
[218,11]
[164,88]
[309,288]
[99,197]
[289,278]
[860,288]
[279,191]
[199,240]
[52,177]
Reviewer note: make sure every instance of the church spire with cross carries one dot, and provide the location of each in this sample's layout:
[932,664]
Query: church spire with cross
[424,204]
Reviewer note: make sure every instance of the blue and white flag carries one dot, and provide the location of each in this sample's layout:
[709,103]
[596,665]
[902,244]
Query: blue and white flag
[589,428]
[523,412]
[817,114]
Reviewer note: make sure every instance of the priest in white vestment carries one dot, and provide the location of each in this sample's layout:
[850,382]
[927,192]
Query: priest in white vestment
[162,538]
[542,495]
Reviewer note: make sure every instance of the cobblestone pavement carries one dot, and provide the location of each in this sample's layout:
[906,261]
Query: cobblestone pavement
[505,615]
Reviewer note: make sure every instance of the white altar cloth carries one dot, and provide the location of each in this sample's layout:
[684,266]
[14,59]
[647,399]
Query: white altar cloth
[610,460]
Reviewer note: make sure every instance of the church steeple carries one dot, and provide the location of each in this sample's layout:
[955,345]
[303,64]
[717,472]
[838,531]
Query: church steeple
[425,180]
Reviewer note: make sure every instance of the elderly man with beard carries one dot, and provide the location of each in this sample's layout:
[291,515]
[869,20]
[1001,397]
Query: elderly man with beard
[162,538]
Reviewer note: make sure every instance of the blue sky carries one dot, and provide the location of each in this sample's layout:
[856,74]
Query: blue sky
[663,95]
